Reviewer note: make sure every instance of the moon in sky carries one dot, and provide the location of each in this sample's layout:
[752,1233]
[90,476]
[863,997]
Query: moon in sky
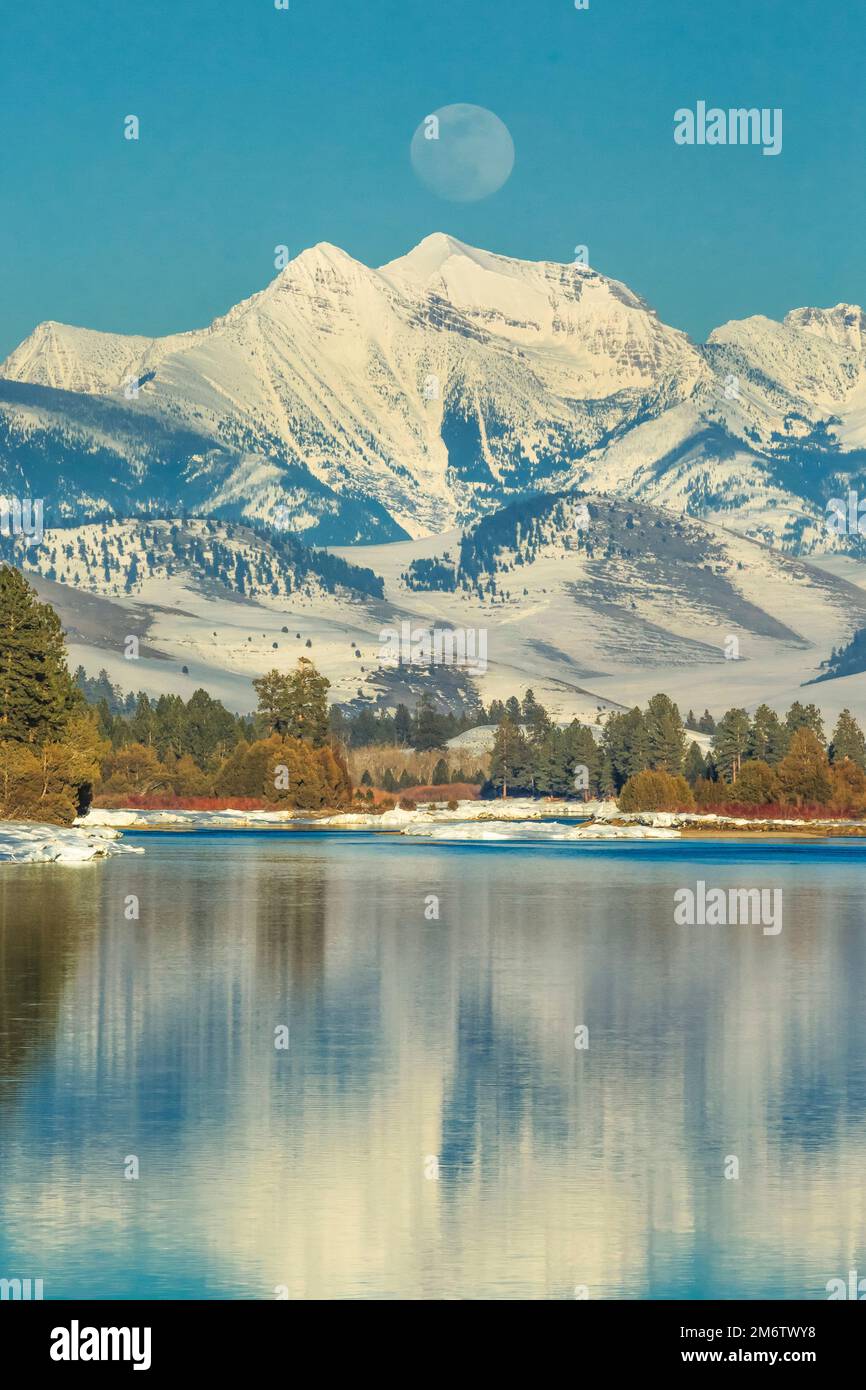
[462,153]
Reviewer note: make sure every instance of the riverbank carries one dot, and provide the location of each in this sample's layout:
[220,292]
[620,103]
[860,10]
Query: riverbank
[599,818]
[30,842]
[99,834]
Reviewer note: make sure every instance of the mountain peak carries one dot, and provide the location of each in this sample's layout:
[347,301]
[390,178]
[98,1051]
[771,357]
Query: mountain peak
[433,253]
[844,324]
[323,256]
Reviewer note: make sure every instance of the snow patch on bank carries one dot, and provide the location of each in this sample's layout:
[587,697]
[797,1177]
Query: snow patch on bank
[530,830]
[185,820]
[27,842]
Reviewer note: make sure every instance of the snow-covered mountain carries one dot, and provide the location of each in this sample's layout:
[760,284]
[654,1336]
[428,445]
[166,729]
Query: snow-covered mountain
[368,404]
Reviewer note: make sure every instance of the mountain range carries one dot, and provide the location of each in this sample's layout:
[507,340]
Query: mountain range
[461,439]
[355,405]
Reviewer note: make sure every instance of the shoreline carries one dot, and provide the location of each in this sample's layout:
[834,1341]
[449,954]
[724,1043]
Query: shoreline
[102,833]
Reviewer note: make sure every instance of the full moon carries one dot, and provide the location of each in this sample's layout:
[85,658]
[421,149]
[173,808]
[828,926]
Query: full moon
[462,153]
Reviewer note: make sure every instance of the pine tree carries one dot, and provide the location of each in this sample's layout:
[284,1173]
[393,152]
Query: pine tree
[805,717]
[582,762]
[848,740]
[538,722]
[550,764]
[440,774]
[624,743]
[508,760]
[430,731]
[666,740]
[210,731]
[37,695]
[142,725]
[308,704]
[695,765]
[403,726]
[768,737]
[730,742]
[295,705]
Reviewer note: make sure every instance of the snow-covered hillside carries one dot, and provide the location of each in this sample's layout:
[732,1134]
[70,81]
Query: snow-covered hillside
[591,601]
[124,557]
[368,404]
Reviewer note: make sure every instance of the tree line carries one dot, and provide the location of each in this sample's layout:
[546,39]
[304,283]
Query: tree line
[645,759]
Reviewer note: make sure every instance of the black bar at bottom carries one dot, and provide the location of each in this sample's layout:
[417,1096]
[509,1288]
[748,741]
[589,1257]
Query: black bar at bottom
[170,1338]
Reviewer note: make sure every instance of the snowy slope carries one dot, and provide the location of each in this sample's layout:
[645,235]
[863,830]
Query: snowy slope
[435,386]
[373,403]
[592,615]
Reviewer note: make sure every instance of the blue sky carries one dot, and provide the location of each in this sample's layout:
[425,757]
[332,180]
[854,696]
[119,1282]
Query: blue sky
[262,127]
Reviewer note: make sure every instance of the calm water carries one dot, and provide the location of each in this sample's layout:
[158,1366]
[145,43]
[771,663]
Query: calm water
[414,1039]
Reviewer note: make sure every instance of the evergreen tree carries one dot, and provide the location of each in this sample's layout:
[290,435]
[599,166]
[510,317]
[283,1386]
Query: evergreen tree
[730,742]
[848,740]
[440,774]
[768,737]
[706,723]
[365,729]
[308,704]
[403,726]
[666,740]
[805,717]
[142,725]
[37,695]
[582,762]
[170,726]
[430,731]
[624,744]
[389,781]
[210,731]
[538,722]
[695,765]
[295,705]
[509,758]
[550,764]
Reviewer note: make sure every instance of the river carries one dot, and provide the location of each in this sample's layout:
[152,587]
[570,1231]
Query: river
[354,1065]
